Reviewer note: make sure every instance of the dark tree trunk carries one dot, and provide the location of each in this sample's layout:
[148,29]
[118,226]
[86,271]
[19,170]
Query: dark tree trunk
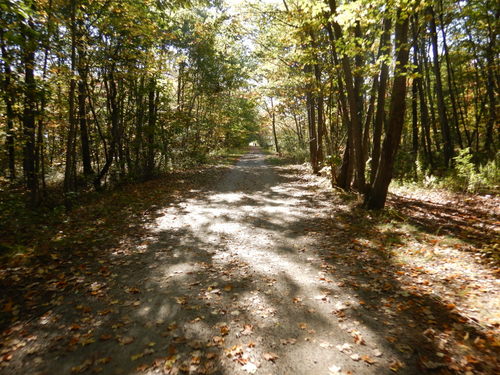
[150,133]
[82,100]
[110,83]
[375,198]
[8,97]
[70,168]
[449,75]
[344,178]
[380,112]
[352,85]
[414,122]
[443,118]
[424,113]
[29,112]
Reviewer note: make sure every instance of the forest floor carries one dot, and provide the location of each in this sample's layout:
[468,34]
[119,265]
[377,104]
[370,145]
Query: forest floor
[256,268]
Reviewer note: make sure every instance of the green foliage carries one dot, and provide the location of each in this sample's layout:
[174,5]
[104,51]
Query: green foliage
[466,177]
[474,179]
[291,149]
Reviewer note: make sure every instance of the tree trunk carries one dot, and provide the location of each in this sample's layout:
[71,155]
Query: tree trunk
[150,133]
[114,114]
[449,76]
[82,99]
[375,198]
[424,113]
[29,112]
[70,167]
[380,112]
[489,144]
[321,119]
[443,118]
[8,97]
[311,119]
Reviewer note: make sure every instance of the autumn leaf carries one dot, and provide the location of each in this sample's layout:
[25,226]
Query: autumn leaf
[247,330]
[368,359]
[290,341]
[224,330]
[125,340]
[395,365]
[135,357]
[302,325]
[270,356]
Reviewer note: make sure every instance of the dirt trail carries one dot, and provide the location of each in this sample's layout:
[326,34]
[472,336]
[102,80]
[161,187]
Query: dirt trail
[237,278]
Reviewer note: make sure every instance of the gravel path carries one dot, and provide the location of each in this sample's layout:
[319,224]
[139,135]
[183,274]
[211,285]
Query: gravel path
[236,278]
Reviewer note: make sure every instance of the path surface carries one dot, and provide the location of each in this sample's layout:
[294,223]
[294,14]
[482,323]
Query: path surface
[238,278]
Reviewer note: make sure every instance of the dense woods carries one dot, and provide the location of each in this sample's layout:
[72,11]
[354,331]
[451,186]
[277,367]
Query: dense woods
[103,91]
[363,79]
[99,92]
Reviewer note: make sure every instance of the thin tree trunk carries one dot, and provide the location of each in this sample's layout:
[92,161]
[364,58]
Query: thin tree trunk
[70,168]
[427,87]
[29,112]
[150,133]
[82,99]
[449,75]
[8,97]
[321,119]
[424,114]
[443,118]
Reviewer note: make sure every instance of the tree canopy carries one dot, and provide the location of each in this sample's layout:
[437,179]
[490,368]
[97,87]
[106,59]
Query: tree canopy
[103,91]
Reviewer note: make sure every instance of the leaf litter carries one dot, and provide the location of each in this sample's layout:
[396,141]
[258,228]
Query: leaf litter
[379,286]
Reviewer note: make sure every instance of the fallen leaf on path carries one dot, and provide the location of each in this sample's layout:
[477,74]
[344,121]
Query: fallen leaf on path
[218,340]
[395,365]
[234,351]
[181,300]
[83,367]
[247,330]
[344,348]
[224,330]
[103,360]
[126,340]
[270,356]
[368,359]
[135,357]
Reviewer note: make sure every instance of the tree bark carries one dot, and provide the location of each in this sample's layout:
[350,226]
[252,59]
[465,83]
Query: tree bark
[8,97]
[70,167]
[443,118]
[380,112]
[375,198]
[29,112]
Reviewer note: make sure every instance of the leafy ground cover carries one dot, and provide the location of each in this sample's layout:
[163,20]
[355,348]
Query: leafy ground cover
[253,268]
